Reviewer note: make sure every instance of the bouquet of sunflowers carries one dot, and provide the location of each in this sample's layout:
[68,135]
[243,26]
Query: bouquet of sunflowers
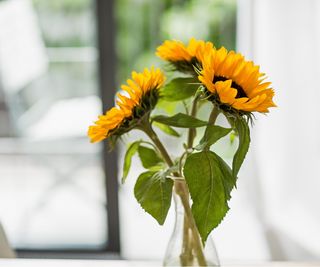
[199,177]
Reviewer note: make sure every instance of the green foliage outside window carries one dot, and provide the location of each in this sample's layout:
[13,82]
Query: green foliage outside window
[143,24]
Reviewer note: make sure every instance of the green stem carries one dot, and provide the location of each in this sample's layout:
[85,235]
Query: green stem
[154,137]
[192,131]
[213,115]
[187,239]
[181,189]
[187,246]
[212,119]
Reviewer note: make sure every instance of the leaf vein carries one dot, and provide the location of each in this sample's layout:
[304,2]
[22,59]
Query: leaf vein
[162,200]
[211,192]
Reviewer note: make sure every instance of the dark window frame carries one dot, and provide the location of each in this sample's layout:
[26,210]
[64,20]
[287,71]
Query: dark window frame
[105,25]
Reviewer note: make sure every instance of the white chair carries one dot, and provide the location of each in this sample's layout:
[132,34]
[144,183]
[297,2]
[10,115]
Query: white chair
[5,249]
[23,60]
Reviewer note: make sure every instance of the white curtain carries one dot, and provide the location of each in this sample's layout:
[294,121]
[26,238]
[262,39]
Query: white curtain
[283,37]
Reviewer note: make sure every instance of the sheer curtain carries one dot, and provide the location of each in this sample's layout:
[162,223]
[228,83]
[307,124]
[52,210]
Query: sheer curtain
[283,36]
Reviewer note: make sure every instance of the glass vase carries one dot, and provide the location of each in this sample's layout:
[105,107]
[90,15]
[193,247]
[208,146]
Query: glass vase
[181,249]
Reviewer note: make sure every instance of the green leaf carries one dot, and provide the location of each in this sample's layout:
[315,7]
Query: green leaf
[167,129]
[179,89]
[212,134]
[132,149]
[153,191]
[229,181]
[232,137]
[180,120]
[244,141]
[210,182]
[168,107]
[149,157]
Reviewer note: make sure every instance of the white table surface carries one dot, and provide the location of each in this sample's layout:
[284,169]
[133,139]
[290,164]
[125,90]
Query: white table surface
[117,263]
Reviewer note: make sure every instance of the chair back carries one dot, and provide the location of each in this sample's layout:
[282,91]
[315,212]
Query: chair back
[5,249]
[22,55]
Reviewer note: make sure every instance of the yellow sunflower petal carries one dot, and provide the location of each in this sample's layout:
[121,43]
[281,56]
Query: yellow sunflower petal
[208,83]
[173,51]
[226,93]
[184,57]
[135,89]
[247,92]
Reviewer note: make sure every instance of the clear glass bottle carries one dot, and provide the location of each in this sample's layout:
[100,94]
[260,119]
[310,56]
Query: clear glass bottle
[181,250]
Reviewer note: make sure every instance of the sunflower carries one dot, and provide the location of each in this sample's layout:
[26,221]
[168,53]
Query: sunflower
[141,97]
[233,83]
[184,58]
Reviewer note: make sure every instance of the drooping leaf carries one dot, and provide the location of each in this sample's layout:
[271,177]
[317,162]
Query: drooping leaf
[180,120]
[167,129]
[212,134]
[244,141]
[132,149]
[179,89]
[210,182]
[149,157]
[153,191]
[229,180]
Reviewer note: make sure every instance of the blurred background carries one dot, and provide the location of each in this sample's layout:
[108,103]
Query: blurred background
[61,63]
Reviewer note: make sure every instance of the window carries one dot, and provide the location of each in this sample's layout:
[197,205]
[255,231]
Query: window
[152,22]
[53,191]
[52,186]
[142,25]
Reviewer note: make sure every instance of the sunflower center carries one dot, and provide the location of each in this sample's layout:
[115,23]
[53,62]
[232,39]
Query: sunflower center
[240,91]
